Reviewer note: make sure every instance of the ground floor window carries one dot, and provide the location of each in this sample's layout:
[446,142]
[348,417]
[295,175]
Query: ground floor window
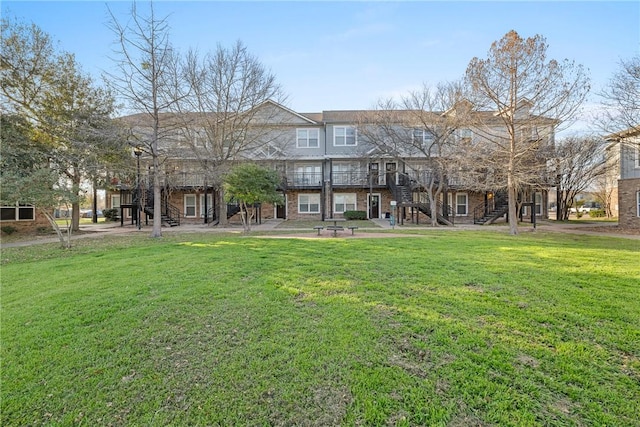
[17,213]
[638,200]
[190,205]
[115,201]
[203,213]
[344,202]
[309,203]
[462,204]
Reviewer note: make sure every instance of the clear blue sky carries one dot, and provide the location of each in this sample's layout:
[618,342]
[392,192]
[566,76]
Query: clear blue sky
[346,55]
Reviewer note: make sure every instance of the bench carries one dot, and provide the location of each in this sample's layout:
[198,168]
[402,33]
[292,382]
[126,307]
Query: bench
[318,228]
[352,228]
[335,229]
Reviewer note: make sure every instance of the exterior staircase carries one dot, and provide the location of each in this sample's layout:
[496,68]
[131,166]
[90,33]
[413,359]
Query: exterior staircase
[487,213]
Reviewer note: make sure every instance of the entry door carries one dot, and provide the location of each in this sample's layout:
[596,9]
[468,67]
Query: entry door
[391,170]
[281,210]
[374,206]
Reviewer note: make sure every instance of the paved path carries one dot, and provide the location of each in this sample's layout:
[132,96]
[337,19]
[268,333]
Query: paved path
[94,230]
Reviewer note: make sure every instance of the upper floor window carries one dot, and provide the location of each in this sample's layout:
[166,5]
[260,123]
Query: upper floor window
[344,135]
[423,136]
[308,138]
[17,213]
[638,155]
[465,135]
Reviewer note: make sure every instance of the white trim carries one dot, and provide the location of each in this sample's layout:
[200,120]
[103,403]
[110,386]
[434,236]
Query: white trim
[466,204]
[369,196]
[638,203]
[308,137]
[195,206]
[16,212]
[209,204]
[355,136]
[113,197]
[268,101]
[345,198]
[312,197]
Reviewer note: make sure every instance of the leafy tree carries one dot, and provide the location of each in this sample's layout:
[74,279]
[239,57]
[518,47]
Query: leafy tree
[532,97]
[66,111]
[250,184]
[26,175]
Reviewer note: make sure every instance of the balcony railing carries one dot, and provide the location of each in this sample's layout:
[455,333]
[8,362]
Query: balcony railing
[184,179]
[357,178]
[304,179]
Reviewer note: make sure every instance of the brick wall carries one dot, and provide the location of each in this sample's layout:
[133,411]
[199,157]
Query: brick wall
[29,226]
[628,202]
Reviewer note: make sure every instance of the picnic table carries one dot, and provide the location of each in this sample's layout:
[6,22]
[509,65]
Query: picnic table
[335,227]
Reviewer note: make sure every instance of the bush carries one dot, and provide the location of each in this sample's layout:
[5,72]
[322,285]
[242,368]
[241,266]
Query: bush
[8,229]
[597,213]
[111,214]
[355,214]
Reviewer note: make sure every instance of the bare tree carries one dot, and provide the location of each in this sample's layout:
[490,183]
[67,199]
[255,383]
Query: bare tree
[531,96]
[621,98]
[146,64]
[580,163]
[224,113]
[421,125]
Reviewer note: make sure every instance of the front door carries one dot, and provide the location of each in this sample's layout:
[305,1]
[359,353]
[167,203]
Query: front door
[391,170]
[374,206]
[281,211]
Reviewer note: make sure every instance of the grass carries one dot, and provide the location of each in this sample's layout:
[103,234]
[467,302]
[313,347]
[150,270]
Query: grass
[453,329]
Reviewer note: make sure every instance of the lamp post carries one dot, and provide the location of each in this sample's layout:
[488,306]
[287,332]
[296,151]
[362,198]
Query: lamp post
[138,152]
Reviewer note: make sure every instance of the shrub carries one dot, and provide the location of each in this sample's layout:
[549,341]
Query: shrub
[8,229]
[597,213]
[111,214]
[355,214]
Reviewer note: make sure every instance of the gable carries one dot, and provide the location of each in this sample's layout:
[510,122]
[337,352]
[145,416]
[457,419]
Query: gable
[270,112]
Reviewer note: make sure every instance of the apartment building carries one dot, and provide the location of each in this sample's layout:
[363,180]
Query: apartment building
[328,165]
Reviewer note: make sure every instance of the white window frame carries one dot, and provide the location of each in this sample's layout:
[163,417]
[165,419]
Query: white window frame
[306,174]
[346,201]
[637,162]
[341,132]
[466,204]
[304,136]
[209,204]
[422,136]
[114,204]
[187,205]
[311,199]
[638,203]
[18,209]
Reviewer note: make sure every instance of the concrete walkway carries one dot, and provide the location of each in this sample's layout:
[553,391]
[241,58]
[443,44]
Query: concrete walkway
[95,230]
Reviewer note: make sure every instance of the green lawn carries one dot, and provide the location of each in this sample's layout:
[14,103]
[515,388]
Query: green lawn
[453,328]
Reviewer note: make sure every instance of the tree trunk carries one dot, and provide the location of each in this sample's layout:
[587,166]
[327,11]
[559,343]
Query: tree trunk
[222,208]
[513,208]
[65,241]
[75,206]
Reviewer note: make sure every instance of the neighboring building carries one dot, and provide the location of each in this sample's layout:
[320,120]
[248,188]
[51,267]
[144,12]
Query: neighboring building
[327,167]
[625,151]
[23,218]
